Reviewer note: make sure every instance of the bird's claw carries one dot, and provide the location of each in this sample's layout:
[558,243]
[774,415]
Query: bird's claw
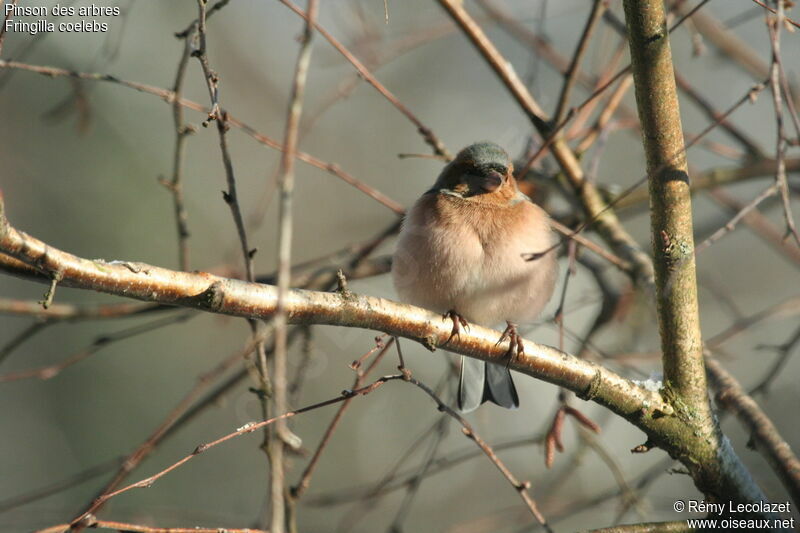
[515,346]
[458,322]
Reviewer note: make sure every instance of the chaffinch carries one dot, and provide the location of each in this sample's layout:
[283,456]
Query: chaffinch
[460,253]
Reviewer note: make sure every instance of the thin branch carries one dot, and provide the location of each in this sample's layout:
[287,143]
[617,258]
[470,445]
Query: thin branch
[404,478]
[750,146]
[520,487]
[604,118]
[773,11]
[716,177]
[590,245]
[763,433]
[250,427]
[788,307]
[728,43]
[427,134]
[60,485]
[184,411]
[170,97]
[179,415]
[63,311]
[286,184]
[731,224]
[302,485]
[212,80]
[182,132]
[774,27]
[570,77]
[102,341]
[15,342]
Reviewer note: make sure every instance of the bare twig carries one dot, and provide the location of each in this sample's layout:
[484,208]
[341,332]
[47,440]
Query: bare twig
[185,411]
[102,341]
[182,131]
[60,485]
[302,485]
[169,96]
[750,146]
[173,420]
[428,135]
[731,224]
[570,77]
[520,487]
[716,177]
[247,428]
[774,11]
[784,353]
[728,44]
[605,116]
[15,342]
[286,184]
[212,80]
[774,27]
[64,311]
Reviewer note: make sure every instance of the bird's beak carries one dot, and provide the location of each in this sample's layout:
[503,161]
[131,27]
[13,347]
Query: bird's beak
[491,181]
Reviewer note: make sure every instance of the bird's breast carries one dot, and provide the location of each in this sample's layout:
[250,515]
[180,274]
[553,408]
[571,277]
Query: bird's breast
[456,254]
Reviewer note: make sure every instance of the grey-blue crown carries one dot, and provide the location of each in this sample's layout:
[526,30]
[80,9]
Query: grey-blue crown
[483,153]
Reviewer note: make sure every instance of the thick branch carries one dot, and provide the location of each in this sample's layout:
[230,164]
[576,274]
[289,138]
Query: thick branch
[216,294]
[673,244]
[670,201]
[645,409]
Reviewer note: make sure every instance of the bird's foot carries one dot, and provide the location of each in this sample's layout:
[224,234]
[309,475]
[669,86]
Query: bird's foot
[458,322]
[515,346]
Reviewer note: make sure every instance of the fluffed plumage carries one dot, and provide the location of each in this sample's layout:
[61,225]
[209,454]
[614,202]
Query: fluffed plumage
[460,249]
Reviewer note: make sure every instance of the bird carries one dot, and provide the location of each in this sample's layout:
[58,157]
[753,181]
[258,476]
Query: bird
[460,252]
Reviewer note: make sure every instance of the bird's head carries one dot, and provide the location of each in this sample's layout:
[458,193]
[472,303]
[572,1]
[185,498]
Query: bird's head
[481,171]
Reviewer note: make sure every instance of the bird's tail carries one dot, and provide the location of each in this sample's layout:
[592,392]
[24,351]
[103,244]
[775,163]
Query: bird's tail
[481,382]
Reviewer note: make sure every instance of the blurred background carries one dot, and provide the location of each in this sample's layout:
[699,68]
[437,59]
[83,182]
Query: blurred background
[81,162]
